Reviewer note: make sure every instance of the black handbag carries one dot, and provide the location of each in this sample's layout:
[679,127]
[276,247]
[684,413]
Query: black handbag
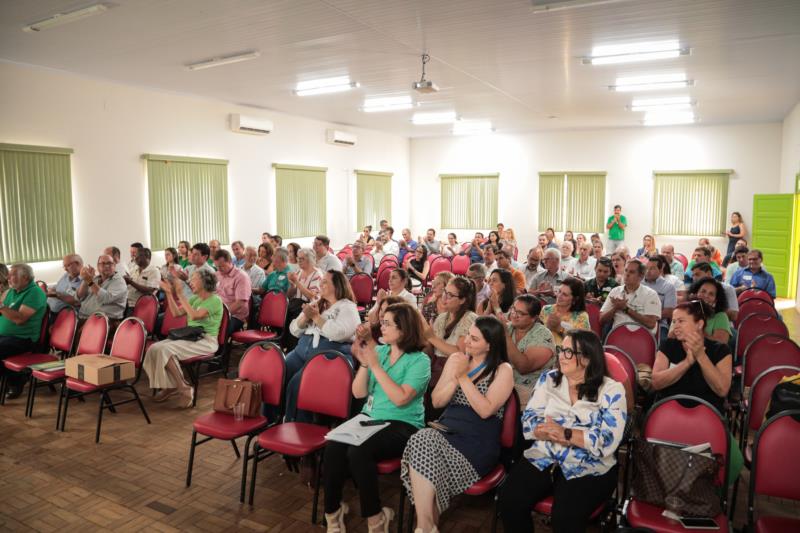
[785,396]
[188,333]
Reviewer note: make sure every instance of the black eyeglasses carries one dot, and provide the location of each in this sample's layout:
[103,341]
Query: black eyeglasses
[699,304]
[569,353]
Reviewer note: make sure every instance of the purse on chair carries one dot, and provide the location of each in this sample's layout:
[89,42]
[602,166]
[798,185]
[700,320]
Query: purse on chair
[187,333]
[235,391]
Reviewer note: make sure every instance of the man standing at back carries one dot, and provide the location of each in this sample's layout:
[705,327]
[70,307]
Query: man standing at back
[616,225]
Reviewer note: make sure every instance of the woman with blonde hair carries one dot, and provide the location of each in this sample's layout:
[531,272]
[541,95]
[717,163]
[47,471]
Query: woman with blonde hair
[648,247]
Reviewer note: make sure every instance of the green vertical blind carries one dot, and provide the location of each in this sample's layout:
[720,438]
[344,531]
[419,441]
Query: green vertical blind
[188,200]
[300,200]
[35,203]
[586,198]
[373,198]
[551,201]
[690,202]
[469,201]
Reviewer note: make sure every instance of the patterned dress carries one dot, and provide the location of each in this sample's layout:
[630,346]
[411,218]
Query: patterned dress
[453,462]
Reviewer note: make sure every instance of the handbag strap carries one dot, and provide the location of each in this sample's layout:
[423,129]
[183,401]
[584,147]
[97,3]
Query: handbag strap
[236,385]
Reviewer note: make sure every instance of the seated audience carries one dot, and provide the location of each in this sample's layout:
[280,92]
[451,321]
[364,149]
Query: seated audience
[398,286]
[583,267]
[740,261]
[452,248]
[102,291]
[716,256]
[143,278]
[372,326]
[753,276]
[598,288]
[198,260]
[419,266]
[501,296]
[665,290]
[293,249]
[237,249]
[490,258]
[618,259]
[377,251]
[410,242]
[204,310]
[276,241]
[134,250]
[255,272]
[390,245]
[542,242]
[357,262]
[305,282]
[21,314]
[430,242]
[328,323]
[533,265]
[509,239]
[703,271]
[278,279]
[474,250]
[184,248]
[717,324]
[366,236]
[597,249]
[119,266]
[648,248]
[567,263]
[576,428]
[493,240]
[702,254]
[632,301]
[433,304]
[675,266]
[551,238]
[394,377]
[265,252]
[325,259]
[63,294]
[580,240]
[504,262]
[171,261]
[675,281]
[233,287]
[530,345]
[265,237]
[473,391]
[213,246]
[545,284]
[477,273]
[450,327]
[569,311]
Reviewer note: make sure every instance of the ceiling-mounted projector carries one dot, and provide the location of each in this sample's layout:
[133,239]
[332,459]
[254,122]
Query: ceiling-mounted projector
[423,85]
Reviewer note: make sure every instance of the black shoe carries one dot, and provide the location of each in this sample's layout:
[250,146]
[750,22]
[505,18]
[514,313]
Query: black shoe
[14,392]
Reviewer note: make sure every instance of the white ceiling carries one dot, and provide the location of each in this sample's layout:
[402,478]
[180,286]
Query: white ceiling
[493,59]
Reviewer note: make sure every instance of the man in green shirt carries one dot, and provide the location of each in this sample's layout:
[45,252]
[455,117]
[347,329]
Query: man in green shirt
[21,315]
[277,280]
[616,225]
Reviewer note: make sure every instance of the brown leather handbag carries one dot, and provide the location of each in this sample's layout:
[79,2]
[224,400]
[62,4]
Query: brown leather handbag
[233,391]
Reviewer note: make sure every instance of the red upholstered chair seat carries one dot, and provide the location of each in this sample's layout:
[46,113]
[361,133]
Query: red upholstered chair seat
[546,507]
[487,482]
[224,426]
[777,524]
[294,438]
[78,385]
[646,515]
[18,363]
[55,375]
[252,336]
[387,466]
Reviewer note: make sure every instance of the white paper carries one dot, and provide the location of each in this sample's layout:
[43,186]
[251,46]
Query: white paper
[352,432]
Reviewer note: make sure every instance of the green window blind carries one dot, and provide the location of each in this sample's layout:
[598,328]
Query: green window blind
[551,201]
[301,200]
[35,204]
[586,198]
[469,201]
[690,202]
[373,198]
[188,199]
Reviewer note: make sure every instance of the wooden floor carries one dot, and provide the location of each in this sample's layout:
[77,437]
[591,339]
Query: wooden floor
[134,479]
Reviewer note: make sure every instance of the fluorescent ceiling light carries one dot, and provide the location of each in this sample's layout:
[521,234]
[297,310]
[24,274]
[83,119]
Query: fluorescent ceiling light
[651,83]
[472,127]
[546,6]
[630,53]
[63,18]
[223,60]
[664,118]
[387,103]
[325,86]
[445,117]
[662,104]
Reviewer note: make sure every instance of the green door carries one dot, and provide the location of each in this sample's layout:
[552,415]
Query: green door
[773,232]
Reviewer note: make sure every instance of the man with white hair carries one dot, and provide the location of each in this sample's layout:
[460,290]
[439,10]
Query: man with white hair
[21,315]
[567,261]
[103,290]
[546,283]
[583,267]
[63,294]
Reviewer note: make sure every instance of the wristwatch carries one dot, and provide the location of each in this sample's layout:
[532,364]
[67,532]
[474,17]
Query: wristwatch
[567,434]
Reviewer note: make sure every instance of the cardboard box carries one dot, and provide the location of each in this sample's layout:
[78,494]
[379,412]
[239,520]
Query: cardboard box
[99,369]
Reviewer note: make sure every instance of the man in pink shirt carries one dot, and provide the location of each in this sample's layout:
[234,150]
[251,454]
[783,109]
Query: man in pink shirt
[233,287]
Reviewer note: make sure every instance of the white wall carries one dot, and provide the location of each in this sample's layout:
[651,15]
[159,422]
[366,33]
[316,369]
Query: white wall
[110,125]
[790,156]
[628,155]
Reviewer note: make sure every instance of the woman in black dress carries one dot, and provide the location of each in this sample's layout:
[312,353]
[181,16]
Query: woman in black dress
[736,232]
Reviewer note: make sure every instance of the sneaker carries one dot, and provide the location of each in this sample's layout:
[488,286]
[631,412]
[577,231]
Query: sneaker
[387,515]
[335,521]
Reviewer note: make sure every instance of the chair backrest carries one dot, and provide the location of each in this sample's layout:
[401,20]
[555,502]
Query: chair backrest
[682,259]
[265,363]
[774,472]
[508,433]
[171,322]
[371,260]
[440,264]
[754,306]
[593,310]
[325,385]
[44,329]
[765,351]
[362,288]
[146,310]
[755,325]
[407,258]
[129,341]
[755,293]
[383,278]
[343,254]
[460,265]
[388,258]
[636,341]
[627,363]
[617,371]
[272,313]
[42,285]
[669,420]
[62,334]
[94,335]
[222,335]
[761,393]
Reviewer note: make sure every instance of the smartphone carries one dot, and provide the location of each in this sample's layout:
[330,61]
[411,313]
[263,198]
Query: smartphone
[368,423]
[698,523]
[440,427]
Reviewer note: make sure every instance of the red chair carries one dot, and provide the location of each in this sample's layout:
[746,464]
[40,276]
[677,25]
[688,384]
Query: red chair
[669,420]
[383,278]
[362,285]
[388,258]
[765,351]
[128,344]
[371,260]
[460,265]
[192,364]
[42,285]
[263,363]
[440,264]
[146,310]
[20,362]
[774,473]
[756,325]
[627,362]
[758,401]
[754,306]
[325,385]
[682,259]
[636,341]
[593,310]
[271,321]
[755,293]
[407,258]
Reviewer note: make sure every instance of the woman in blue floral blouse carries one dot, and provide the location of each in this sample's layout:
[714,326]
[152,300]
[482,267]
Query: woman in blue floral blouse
[575,418]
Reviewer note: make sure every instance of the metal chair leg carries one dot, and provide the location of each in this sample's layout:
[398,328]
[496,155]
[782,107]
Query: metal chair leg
[66,407]
[255,470]
[236,449]
[60,403]
[191,459]
[139,401]
[317,476]
[103,399]
[244,466]
[31,394]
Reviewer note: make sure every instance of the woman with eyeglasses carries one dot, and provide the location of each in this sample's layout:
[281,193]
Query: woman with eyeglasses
[576,420]
[501,296]
[393,379]
[305,283]
[531,349]
[450,327]
[443,461]
[569,311]
[433,304]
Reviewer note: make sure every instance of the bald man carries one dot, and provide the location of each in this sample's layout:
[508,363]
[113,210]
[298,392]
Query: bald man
[102,290]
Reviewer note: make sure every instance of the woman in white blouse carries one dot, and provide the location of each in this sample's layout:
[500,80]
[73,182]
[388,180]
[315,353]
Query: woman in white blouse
[398,286]
[305,284]
[576,419]
[452,248]
[326,324]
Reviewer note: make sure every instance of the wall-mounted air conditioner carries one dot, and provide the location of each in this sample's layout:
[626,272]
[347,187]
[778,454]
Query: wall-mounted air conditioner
[341,138]
[253,126]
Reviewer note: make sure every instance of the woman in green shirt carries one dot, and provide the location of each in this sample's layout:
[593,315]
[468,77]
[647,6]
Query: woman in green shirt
[718,326]
[393,378]
[203,309]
